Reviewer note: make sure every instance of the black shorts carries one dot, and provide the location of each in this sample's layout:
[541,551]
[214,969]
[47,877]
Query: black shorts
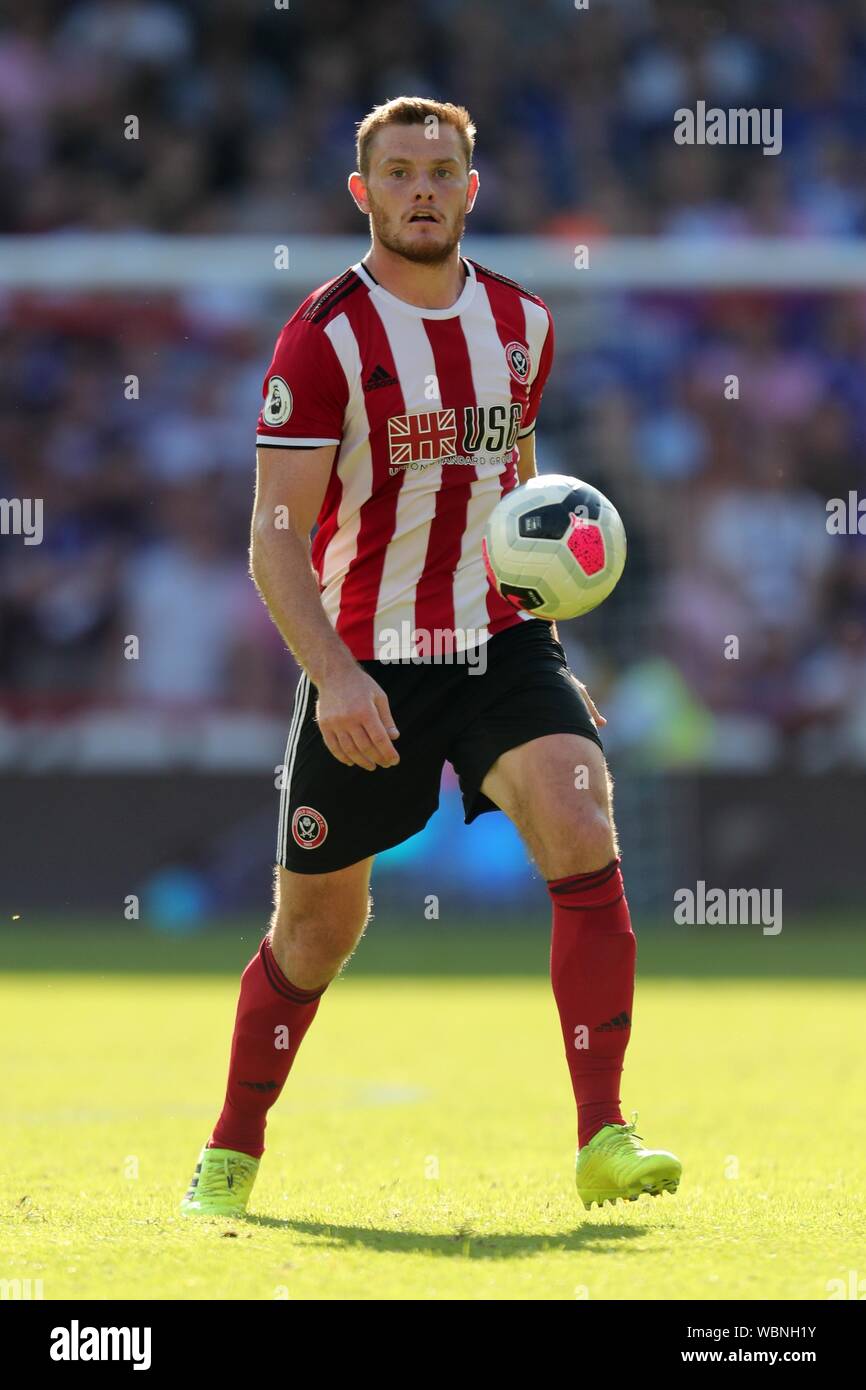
[332,815]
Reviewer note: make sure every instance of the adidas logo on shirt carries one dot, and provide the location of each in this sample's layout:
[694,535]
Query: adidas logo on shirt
[380,376]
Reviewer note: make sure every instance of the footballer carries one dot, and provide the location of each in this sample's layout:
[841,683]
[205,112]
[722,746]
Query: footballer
[399,407]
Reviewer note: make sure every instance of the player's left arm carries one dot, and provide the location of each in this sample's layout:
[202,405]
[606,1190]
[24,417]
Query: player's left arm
[526,468]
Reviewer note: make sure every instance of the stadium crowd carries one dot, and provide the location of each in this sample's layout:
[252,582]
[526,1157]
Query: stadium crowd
[246,113]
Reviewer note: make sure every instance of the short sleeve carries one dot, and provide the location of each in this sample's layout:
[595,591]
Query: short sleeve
[305,391]
[540,327]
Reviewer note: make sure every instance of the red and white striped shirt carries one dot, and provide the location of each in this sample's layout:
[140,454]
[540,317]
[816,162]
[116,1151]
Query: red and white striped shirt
[426,406]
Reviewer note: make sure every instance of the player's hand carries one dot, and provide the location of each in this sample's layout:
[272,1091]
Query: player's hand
[355,720]
[597,717]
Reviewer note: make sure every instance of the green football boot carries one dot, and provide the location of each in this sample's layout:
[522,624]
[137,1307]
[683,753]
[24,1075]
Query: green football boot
[615,1164]
[221,1184]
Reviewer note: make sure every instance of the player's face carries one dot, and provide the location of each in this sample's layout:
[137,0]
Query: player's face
[417,192]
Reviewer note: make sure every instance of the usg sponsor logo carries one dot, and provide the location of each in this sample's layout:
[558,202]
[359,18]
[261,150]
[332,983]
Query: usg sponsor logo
[424,437]
[489,433]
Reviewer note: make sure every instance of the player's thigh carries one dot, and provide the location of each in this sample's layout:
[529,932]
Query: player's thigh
[333,816]
[329,908]
[558,792]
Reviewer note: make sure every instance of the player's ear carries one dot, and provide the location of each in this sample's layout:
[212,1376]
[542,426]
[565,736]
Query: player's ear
[472,190]
[358,191]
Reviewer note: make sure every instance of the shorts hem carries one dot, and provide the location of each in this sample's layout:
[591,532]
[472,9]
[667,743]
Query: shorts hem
[354,856]
[476,803]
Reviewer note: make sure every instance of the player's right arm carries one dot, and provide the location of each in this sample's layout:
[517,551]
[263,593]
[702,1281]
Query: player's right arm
[305,395]
[289,493]
[353,711]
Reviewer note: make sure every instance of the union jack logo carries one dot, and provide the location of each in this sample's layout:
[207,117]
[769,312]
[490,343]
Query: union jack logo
[425,437]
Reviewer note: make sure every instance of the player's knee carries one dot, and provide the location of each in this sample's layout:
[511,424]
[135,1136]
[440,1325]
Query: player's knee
[598,834]
[326,933]
[322,933]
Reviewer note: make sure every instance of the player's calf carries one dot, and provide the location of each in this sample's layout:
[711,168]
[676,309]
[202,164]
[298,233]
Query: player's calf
[315,927]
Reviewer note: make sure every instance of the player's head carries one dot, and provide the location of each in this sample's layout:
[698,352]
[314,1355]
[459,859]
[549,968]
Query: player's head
[415,179]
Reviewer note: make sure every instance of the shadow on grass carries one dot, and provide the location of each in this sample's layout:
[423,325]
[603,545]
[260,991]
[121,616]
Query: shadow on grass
[462,1244]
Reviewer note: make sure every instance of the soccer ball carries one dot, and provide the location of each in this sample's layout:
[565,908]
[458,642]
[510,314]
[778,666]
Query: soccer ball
[554,546]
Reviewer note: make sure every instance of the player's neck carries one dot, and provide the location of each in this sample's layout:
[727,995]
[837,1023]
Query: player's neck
[425,286]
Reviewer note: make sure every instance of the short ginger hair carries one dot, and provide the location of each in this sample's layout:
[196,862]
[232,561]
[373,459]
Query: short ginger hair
[413,111]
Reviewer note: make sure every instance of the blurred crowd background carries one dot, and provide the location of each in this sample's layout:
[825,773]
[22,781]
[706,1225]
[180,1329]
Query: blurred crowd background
[248,111]
[247,115]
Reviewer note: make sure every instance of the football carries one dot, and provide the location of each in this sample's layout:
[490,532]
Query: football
[554,546]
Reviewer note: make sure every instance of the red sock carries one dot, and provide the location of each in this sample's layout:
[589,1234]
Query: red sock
[592,960]
[272,1017]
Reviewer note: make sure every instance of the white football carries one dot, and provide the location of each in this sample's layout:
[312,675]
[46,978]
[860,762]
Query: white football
[554,546]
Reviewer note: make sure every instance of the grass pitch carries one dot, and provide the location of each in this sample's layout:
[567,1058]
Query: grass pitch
[424,1145]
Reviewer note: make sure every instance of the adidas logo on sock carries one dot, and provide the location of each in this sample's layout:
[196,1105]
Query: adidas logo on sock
[259,1085]
[380,376]
[621,1021]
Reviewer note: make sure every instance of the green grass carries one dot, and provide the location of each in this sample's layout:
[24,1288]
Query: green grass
[424,1145]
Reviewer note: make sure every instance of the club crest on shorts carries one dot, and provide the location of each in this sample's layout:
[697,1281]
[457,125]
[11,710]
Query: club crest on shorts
[517,357]
[278,402]
[309,827]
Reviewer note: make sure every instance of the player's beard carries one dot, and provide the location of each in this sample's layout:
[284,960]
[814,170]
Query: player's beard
[393,240]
